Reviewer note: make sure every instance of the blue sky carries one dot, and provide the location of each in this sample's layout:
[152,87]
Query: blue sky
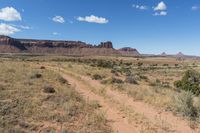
[151,26]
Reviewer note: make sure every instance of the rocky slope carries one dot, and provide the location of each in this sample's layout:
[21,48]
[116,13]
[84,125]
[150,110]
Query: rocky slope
[11,45]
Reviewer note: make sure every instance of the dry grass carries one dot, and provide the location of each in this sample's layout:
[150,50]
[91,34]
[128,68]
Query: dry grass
[156,89]
[25,107]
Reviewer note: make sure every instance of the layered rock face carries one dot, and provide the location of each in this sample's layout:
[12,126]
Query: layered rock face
[127,51]
[11,45]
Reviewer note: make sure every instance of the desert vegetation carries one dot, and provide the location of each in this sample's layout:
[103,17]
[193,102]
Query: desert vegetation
[44,94]
[34,99]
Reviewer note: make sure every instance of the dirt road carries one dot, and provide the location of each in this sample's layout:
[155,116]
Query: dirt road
[124,114]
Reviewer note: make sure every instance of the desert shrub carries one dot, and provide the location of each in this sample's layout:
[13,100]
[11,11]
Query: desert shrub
[152,84]
[189,82]
[143,77]
[165,64]
[183,103]
[158,81]
[36,76]
[104,64]
[62,80]
[116,80]
[161,83]
[112,80]
[128,63]
[165,84]
[113,71]
[131,80]
[95,104]
[49,89]
[139,64]
[176,65]
[154,64]
[97,77]
[42,67]
[116,69]
[126,70]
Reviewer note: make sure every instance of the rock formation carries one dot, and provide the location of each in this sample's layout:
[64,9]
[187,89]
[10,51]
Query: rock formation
[180,54]
[127,51]
[163,54]
[11,45]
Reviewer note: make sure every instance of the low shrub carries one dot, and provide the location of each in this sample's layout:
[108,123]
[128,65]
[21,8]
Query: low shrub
[62,80]
[131,80]
[143,77]
[116,80]
[36,76]
[189,82]
[97,77]
[139,64]
[183,103]
[165,64]
[112,80]
[49,89]
[42,67]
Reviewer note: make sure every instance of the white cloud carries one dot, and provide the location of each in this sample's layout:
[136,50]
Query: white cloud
[58,19]
[55,33]
[25,27]
[93,19]
[6,29]
[194,8]
[9,14]
[161,6]
[142,7]
[162,13]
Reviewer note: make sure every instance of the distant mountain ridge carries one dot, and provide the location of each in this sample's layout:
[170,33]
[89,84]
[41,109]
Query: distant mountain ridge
[178,55]
[12,45]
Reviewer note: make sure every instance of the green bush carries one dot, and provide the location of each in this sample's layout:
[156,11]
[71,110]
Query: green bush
[189,82]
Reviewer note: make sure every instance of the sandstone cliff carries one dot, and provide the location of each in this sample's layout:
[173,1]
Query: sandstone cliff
[11,45]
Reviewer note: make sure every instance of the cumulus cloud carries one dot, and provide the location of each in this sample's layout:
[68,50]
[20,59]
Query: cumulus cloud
[6,29]
[58,19]
[162,13]
[10,14]
[160,7]
[140,7]
[194,8]
[93,19]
